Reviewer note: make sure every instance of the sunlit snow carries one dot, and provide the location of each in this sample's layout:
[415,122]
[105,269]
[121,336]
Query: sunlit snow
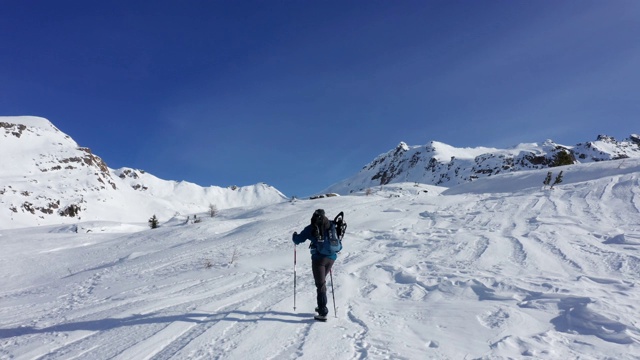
[497,268]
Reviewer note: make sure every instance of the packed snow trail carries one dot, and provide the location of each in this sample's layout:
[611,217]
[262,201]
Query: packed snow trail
[468,274]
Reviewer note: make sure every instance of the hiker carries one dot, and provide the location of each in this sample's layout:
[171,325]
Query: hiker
[321,263]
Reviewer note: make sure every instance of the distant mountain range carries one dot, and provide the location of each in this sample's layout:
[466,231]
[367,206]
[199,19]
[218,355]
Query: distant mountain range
[440,164]
[46,178]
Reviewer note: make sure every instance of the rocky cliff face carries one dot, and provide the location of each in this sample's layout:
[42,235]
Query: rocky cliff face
[44,172]
[440,164]
[46,178]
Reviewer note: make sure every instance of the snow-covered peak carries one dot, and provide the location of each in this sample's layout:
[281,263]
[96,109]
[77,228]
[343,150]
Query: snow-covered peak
[403,146]
[441,164]
[30,121]
[32,145]
[46,178]
[607,148]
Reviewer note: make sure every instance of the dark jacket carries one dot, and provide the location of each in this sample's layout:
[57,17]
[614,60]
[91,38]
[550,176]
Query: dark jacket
[307,234]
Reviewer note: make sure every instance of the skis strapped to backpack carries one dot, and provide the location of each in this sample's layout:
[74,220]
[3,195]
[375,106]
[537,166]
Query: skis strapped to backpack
[329,236]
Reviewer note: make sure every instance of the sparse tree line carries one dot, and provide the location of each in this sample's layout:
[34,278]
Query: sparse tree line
[213,212]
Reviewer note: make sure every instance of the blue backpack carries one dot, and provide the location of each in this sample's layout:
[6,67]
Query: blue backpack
[328,241]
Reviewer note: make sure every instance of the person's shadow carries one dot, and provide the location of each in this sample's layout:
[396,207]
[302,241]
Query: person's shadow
[198,318]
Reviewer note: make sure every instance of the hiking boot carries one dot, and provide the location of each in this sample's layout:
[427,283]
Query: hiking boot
[326,312]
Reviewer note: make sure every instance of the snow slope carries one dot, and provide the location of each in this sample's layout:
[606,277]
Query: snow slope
[46,179]
[498,268]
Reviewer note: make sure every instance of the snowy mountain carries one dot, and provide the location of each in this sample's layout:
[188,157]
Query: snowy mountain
[46,178]
[444,165]
[497,268]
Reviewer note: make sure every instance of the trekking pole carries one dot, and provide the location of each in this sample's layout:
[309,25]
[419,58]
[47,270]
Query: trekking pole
[335,312]
[294,277]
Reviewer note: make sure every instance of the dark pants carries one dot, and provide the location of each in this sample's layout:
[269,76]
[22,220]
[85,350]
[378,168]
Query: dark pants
[321,267]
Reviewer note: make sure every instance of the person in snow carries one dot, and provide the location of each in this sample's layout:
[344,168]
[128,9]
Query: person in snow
[320,264]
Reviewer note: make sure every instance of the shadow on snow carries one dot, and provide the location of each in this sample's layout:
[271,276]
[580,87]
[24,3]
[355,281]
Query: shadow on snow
[137,320]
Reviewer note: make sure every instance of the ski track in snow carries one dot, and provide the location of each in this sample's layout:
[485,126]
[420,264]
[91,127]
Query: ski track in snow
[537,273]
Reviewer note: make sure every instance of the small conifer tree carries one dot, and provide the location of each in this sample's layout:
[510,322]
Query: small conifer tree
[547,180]
[558,180]
[213,210]
[153,222]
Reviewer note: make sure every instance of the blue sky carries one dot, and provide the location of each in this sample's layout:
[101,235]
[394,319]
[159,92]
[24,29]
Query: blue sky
[302,94]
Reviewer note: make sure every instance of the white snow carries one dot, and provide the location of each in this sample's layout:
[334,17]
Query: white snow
[497,268]
[444,165]
[43,172]
[444,152]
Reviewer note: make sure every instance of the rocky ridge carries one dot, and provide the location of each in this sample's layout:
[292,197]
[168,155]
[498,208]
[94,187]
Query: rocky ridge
[443,165]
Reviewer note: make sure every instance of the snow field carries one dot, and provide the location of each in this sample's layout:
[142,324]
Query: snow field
[529,273]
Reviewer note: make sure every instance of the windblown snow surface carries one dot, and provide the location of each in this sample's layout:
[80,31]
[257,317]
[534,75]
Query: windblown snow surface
[497,268]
